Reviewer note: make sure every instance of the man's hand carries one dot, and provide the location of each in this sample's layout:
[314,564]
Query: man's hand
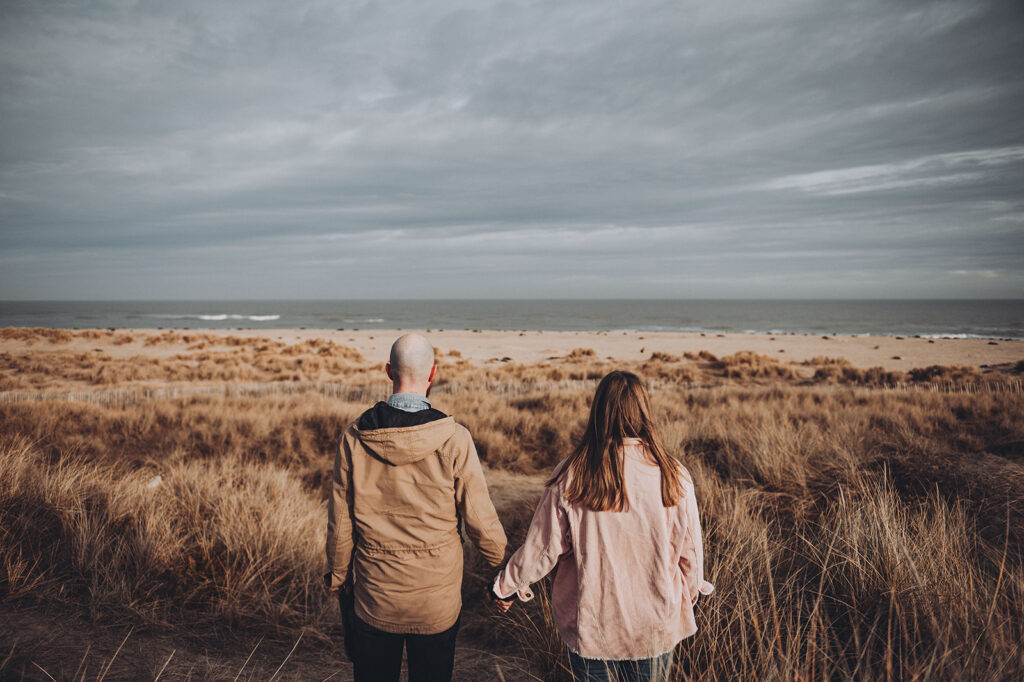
[501,605]
[344,589]
[346,598]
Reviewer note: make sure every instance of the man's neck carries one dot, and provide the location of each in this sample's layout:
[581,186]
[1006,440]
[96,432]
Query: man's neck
[405,388]
[409,401]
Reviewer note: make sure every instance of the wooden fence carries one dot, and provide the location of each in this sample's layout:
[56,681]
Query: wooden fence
[373,392]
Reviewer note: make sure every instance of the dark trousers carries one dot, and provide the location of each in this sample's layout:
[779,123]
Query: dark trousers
[377,655]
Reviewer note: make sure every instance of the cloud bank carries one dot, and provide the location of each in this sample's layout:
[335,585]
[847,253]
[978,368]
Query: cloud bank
[772,148]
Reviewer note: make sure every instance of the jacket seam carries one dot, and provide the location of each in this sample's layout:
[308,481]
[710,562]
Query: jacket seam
[405,628]
[417,548]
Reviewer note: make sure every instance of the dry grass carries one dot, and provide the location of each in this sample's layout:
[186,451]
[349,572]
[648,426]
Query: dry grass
[852,534]
[249,360]
[219,542]
[852,531]
[208,358]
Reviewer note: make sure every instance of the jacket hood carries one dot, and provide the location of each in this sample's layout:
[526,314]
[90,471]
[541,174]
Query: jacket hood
[405,444]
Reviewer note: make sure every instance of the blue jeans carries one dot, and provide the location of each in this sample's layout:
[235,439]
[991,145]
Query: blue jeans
[598,670]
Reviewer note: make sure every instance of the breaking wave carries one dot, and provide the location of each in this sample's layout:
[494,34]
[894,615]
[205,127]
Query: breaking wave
[215,317]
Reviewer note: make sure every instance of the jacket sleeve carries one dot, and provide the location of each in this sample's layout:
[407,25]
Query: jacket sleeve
[340,537]
[474,503]
[546,541]
[691,558]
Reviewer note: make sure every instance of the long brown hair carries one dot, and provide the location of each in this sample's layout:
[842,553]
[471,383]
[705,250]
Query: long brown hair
[621,409]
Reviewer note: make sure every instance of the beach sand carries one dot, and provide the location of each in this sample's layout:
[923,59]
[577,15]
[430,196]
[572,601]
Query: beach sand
[893,353]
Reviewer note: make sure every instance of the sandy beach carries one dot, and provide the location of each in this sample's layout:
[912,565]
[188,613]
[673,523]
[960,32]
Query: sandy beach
[891,353]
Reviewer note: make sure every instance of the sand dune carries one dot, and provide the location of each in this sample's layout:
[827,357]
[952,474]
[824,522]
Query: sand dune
[848,500]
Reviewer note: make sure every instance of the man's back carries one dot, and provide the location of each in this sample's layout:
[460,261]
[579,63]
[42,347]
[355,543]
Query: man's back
[402,481]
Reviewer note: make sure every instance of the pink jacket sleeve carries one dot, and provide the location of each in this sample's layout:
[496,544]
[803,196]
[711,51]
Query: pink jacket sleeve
[547,539]
[691,559]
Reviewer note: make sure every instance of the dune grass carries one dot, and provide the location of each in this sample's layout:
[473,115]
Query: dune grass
[852,531]
[850,535]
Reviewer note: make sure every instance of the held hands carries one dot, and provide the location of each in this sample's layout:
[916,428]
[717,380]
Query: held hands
[345,588]
[499,604]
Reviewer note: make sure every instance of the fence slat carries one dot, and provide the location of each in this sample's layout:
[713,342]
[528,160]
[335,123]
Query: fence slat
[122,397]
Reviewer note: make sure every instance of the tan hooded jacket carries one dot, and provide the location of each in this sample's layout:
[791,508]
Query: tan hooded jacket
[397,498]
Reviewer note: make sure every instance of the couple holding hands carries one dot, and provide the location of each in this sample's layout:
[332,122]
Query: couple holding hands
[617,523]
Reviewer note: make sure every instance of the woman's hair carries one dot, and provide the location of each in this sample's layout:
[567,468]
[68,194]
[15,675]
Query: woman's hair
[620,410]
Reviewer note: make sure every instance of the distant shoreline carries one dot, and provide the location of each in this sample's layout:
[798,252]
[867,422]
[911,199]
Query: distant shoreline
[992,319]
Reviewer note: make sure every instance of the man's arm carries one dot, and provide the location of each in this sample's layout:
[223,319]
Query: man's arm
[339,522]
[474,503]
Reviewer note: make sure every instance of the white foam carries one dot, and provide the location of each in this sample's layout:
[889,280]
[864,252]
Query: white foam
[958,336]
[219,317]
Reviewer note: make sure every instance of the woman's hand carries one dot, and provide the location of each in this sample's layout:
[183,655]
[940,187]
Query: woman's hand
[501,605]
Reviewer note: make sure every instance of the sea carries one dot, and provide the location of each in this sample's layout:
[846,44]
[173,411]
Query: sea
[988,319]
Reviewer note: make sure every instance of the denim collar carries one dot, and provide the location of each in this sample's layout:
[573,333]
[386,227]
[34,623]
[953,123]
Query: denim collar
[409,402]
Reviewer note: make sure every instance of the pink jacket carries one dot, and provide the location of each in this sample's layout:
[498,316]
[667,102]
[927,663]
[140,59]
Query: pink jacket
[625,583]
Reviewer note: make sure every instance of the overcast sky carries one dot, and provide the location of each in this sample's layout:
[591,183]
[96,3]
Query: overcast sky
[331,149]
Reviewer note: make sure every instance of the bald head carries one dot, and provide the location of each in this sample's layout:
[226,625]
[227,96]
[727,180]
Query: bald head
[412,361]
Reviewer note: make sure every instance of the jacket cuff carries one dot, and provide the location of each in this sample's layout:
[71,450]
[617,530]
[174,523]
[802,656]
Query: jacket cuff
[524,594]
[333,581]
[705,588]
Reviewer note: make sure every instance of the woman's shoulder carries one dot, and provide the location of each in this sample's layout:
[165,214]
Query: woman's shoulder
[560,467]
[560,476]
[684,474]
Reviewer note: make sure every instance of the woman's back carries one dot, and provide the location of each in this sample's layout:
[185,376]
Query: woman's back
[625,581]
[618,522]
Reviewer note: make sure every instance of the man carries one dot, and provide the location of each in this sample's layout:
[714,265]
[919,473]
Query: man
[405,477]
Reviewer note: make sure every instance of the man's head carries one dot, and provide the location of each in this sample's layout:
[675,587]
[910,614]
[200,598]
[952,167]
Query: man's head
[411,368]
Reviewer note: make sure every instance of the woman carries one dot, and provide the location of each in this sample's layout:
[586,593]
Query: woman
[618,523]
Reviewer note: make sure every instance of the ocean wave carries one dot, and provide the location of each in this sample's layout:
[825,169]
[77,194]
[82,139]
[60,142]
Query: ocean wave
[219,317]
[369,320]
[805,332]
[958,336]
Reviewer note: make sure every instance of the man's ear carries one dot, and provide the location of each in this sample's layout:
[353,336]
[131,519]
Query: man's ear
[433,371]
[387,370]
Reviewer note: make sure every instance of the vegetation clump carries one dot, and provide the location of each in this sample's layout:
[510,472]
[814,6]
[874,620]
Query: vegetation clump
[859,524]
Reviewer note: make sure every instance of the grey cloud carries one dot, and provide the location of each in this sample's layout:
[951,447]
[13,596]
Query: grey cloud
[788,147]
[953,168]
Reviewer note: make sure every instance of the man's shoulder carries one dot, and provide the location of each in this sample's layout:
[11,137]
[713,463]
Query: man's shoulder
[349,435]
[461,431]
[459,439]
